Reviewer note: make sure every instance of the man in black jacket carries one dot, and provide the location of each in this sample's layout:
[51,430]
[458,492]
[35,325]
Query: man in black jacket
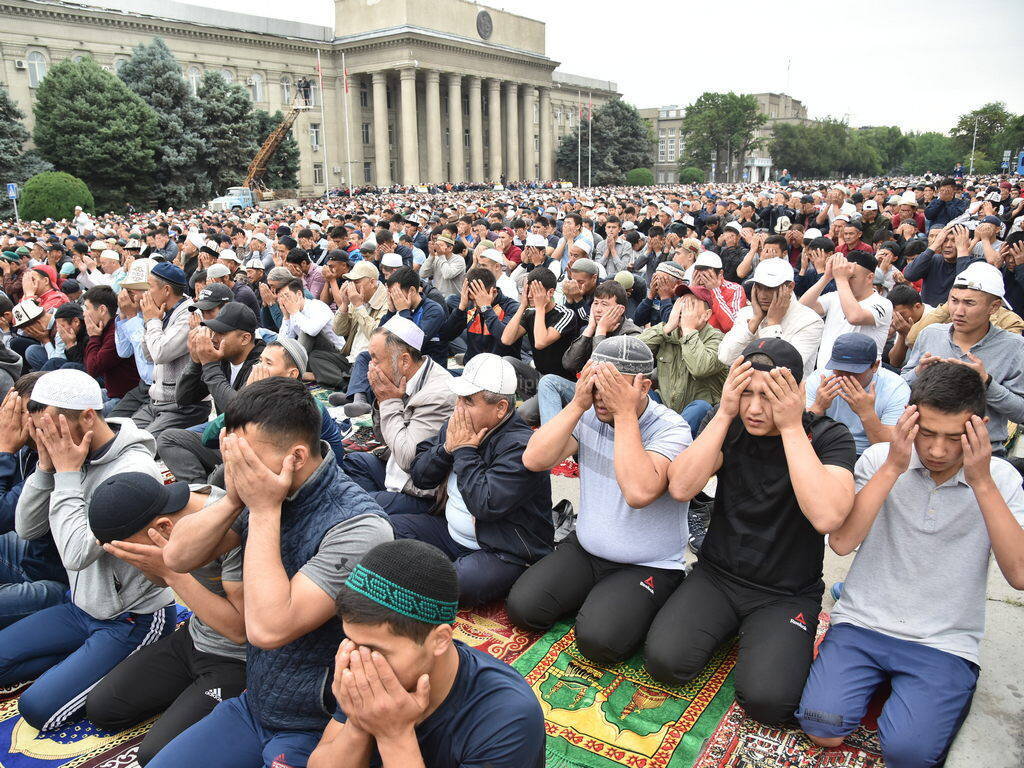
[483,312]
[497,513]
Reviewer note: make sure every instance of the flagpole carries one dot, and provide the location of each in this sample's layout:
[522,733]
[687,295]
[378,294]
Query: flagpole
[579,139]
[323,127]
[590,137]
[348,131]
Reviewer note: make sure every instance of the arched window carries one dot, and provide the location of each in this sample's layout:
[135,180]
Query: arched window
[256,87]
[36,69]
[286,91]
[228,75]
[195,76]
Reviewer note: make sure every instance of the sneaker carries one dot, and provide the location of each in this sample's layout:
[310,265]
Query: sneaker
[698,517]
[337,398]
[564,519]
[837,590]
[355,410]
[460,359]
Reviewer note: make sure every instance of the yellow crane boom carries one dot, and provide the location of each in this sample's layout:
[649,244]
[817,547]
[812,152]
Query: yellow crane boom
[258,166]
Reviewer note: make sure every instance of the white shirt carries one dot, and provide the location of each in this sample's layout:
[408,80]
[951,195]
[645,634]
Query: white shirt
[508,287]
[461,523]
[836,323]
[315,318]
[801,326]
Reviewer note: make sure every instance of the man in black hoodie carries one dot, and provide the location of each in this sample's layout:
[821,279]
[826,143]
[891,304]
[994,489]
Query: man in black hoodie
[497,514]
[483,312]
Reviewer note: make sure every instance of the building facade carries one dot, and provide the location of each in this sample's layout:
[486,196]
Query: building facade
[667,126]
[440,91]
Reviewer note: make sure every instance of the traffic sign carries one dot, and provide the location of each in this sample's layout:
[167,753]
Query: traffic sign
[1006,165]
[1006,155]
[12,191]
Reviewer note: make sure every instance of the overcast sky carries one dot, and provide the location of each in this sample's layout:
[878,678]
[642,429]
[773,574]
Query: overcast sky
[914,63]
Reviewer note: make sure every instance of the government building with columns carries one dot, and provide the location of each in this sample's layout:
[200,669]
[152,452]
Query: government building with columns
[436,91]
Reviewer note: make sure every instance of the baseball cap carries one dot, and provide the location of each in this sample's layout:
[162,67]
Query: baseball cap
[217,270]
[870,205]
[495,255]
[68,388]
[67,269]
[406,330]
[671,269]
[628,354]
[587,266]
[772,273]
[992,220]
[125,503]
[49,272]
[234,316]
[295,351]
[781,353]
[708,259]
[485,372]
[702,293]
[979,276]
[25,312]
[229,254]
[853,353]
[68,311]
[138,274]
[534,240]
[865,259]
[212,296]
[391,260]
[362,269]
[70,286]
[169,273]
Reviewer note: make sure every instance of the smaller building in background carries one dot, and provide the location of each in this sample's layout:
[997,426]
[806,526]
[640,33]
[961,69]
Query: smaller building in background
[667,127]
[778,108]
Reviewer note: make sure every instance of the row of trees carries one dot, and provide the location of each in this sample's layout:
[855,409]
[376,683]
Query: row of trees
[141,136]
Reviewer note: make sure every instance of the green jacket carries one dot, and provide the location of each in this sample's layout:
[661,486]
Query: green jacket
[688,364]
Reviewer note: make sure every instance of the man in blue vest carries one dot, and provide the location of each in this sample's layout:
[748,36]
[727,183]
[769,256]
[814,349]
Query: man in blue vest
[303,525]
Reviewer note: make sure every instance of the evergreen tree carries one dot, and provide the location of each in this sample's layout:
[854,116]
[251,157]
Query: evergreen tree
[154,74]
[621,141]
[283,168]
[720,127]
[15,165]
[229,129]
[91,125]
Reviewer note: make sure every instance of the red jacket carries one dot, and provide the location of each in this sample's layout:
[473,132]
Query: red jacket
[119,374]
[52,299]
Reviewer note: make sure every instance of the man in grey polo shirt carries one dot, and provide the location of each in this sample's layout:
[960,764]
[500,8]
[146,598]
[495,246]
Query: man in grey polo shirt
[971,339]
[934,495]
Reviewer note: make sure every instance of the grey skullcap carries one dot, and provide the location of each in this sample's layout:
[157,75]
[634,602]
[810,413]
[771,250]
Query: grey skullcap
[295,351]
[628,354]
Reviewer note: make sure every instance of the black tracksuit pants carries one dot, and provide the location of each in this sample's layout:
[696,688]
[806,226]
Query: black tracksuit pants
[170,676]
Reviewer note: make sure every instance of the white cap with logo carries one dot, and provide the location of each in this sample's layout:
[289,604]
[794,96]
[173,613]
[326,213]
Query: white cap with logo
[708,259]
[485,372]
[981,276]
[772,273]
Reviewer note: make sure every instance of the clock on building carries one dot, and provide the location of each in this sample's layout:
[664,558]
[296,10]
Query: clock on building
[484,24]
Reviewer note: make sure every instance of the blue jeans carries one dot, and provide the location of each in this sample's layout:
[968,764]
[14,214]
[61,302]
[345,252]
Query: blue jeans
[68,652]
[230,737]
[358,379]
[368,472]
[694,413]
[20,596]
[553,394]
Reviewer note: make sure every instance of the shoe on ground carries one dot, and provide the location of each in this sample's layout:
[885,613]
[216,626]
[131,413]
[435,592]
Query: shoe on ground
[355,410]
[337,398]
[698,517]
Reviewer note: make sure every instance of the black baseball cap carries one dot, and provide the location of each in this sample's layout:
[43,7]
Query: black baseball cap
[780,352]
[126,503]
[213,296]
[69,310]
[235,316]
[865,259]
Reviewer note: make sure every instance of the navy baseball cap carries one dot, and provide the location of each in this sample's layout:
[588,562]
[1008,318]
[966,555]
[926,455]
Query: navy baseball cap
[853,353]
[126,503]
[170,273]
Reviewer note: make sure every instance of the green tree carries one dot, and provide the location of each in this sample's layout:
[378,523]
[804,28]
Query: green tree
[53,195]
[892,144]
[153,73]
[931,153]
[91,125]
[691,175]
[621,141]
[640,177]
[15,165]
[283,168]
[991,119]
[229,128]
[720,127]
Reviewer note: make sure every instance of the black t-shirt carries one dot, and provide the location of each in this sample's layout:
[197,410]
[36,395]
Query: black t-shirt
[758,534]
[549,359]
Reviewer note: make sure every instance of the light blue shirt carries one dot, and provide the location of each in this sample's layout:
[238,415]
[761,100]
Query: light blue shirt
[891,396]
[128,340]
[461,523]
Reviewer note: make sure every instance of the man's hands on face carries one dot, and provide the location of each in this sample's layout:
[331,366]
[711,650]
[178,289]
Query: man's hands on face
[150,309]
[462,432]
[14,423]
[201,346]
[479,294]
[251,481]
[63,453]
[786,397]
[740,374]
[399,299]
[583,397]
[902,443]
[977,448]
[779,305]
[828,391]
[694,314]
[619,396]
[148,558]
[383,387]
[611,319]
[860,400]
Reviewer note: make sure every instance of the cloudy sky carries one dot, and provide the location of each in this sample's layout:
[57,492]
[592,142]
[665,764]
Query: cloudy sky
[914,63]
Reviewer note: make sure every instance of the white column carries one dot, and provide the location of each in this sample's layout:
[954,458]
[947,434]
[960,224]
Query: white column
[547,158]
[476,131]
[456,155]
[410,135]
[527,131]
[434,145]
[512,129]
[494,127]
[381,149]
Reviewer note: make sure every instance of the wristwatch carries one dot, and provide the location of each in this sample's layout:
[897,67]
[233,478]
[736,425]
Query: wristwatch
[484,308]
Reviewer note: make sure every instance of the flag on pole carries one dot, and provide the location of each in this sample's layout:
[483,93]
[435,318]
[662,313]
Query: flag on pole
[590,107]
[345,71]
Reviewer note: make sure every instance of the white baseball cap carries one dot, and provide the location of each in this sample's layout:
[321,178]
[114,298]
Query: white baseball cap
[406,330]
[495,255]
[812,234]
[217,270]
[485,372]
[772,273]
[227,253]
[534,240]
[68,388]
[391,260]
[979,276]
[708,259]
[870,205]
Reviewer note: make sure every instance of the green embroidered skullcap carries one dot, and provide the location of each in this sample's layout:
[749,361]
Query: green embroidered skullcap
[409,577]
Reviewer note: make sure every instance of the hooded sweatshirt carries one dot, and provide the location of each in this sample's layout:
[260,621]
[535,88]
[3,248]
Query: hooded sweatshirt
[58,503]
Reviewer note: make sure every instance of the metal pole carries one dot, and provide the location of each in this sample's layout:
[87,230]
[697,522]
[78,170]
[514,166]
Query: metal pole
[348,130]
[590,137]
[17,218]
[323,127]
[973,144]
[579,138]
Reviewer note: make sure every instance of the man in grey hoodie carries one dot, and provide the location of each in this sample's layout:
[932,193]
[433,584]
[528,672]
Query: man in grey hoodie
[114,609]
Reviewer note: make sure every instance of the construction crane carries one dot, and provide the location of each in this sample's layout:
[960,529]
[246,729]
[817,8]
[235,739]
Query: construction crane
[258,166]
